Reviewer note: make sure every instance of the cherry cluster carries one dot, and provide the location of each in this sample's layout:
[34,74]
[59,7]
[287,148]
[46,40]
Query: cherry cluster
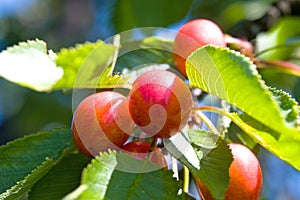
[160,105]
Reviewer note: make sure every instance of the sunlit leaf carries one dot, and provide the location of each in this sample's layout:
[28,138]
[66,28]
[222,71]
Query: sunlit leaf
[277,43]
[84,64]
[29,64]
[233,78]
[286,147]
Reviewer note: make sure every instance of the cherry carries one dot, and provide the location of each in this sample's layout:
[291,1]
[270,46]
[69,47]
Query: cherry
[160,103]
[141,150]
[192,35]
[101,121]
[245,176]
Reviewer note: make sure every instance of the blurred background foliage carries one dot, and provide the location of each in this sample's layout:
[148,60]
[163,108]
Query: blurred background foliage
[65,23]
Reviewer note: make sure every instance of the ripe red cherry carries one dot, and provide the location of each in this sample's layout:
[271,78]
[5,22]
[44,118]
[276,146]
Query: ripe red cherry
[245,176]
[160,103]
[140,150]
[101,121]
[192,35]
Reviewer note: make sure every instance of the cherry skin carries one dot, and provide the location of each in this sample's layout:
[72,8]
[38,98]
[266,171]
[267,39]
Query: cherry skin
[160,103]
[101,122]
[140,150]
[192,35]
[245,176]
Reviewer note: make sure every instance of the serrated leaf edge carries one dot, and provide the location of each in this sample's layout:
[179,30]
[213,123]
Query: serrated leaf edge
[254,71]
[33,135]
[19,185]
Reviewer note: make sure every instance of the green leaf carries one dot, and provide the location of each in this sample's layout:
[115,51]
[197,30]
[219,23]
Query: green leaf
[233,78]
[148,51]
[214,162]
[288,106]
[133,74]
[133,13]
[278,42]
[22,187]
[84,64]
[276,78]
[285,147]
[180,147]
[37,154]
[95,178]
[107,80]
[237,135]
[105,178]
[214,169]
[29,64]
[63,178]
[203,138]
[151,185]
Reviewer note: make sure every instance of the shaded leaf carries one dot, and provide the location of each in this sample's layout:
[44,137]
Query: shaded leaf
[151,185]
[214,169]
[22,187]
[31,151]
[275,78]
[214,164]
[288,106]
[63,178]
[38,153]
[133,13]
[95,178]
[106,178]
[148,51]
[237,135]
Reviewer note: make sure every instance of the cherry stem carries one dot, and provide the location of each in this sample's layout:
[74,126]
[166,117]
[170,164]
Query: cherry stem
[206,121]
[217,110]
[117,44]
[186,179]
[279,63]
[281,46]
[174,168]
[153,145]
[213,109]
[244,46]
[151,150]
